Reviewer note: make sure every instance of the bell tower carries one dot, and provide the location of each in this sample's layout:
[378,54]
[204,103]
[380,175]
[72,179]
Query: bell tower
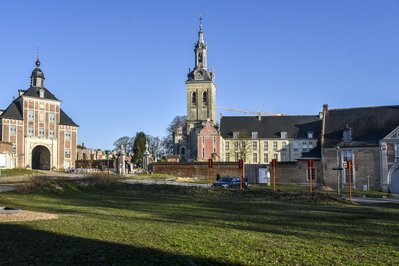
[200,85]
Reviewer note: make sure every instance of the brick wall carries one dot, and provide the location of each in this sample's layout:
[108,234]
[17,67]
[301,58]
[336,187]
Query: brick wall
[196,169]
[5,147]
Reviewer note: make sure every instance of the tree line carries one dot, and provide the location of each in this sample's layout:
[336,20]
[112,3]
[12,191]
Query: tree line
[158,147]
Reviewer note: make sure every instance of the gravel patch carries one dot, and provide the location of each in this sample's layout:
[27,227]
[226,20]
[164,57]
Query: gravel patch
[25,216]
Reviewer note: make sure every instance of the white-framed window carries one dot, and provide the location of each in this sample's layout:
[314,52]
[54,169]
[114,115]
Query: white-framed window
[254,135]
[284,145]
[13,130]
[51,134]
[67,153]
[275,146]
[41,133]
[227,146]
[265,145]
[283,134]
[236,157]
[347,155]
[227,157]
[275,156]
[266,157]
[52,117]
[304,146]
[236,145]
[31,115]
[236,135]
[67,135]
[295,147]
[14,148]
[255,157]
[310,145]
[313,174]
[254,145]
[31,132]
[310,134]
[347,135]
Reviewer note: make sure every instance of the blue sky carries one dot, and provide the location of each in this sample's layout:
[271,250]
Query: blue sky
[120,66]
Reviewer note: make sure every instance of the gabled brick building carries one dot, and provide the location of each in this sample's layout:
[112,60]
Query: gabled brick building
[43,136]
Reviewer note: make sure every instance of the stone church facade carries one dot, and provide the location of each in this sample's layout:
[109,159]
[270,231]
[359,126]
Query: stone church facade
[201,103]
[42,135]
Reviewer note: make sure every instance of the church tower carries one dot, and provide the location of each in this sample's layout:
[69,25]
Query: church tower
[201,88]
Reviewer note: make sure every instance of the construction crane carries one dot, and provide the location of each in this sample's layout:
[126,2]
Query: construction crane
[259,114]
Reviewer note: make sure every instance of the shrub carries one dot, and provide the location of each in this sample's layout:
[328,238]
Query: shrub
[33,184]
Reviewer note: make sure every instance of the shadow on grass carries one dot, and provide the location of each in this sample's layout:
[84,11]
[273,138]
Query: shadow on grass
[22,245]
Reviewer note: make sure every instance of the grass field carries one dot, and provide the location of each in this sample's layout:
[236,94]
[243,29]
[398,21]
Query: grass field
[139,225]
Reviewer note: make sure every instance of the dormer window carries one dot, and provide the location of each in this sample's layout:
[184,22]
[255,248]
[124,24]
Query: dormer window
[236,135]
[41,93]
[283,134]
[347,135]
[310,134]
[254,135]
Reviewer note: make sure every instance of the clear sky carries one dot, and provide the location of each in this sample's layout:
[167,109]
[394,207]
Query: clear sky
[120,66]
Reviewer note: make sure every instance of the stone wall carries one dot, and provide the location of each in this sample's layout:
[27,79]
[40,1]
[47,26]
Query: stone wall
[366,165]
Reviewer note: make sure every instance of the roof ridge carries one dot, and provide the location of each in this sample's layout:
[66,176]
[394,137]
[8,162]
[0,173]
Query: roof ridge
[363,107]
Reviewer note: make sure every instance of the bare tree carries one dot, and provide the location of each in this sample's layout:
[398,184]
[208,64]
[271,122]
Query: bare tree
[154,146]
[126,142]
[167,142]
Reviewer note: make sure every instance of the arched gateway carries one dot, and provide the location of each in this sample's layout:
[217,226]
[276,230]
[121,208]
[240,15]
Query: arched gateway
[41,158]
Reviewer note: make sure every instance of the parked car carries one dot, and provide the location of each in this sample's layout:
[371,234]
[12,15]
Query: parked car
[229,182]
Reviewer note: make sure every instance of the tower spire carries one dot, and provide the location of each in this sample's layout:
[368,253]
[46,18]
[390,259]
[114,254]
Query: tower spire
[200,33]
[38,57]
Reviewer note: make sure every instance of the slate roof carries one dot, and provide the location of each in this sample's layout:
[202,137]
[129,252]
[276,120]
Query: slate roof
[66,120]
[313,154]
[271,126]
[14,110]
[368,124]
[34,92]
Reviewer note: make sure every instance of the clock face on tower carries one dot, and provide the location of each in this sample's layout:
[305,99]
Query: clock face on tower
[198,75]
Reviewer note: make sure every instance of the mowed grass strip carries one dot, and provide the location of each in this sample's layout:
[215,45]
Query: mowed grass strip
[123,224]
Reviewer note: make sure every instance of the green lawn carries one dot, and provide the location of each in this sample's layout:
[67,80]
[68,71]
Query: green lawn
[142,225]
[15,175]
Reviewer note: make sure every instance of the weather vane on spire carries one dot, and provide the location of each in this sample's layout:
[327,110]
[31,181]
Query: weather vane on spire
[200,19]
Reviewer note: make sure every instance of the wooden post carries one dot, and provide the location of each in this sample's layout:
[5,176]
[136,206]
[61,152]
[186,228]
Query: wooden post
[310,165]
[210,166]
[274,165]
[241,168]
[350,178]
